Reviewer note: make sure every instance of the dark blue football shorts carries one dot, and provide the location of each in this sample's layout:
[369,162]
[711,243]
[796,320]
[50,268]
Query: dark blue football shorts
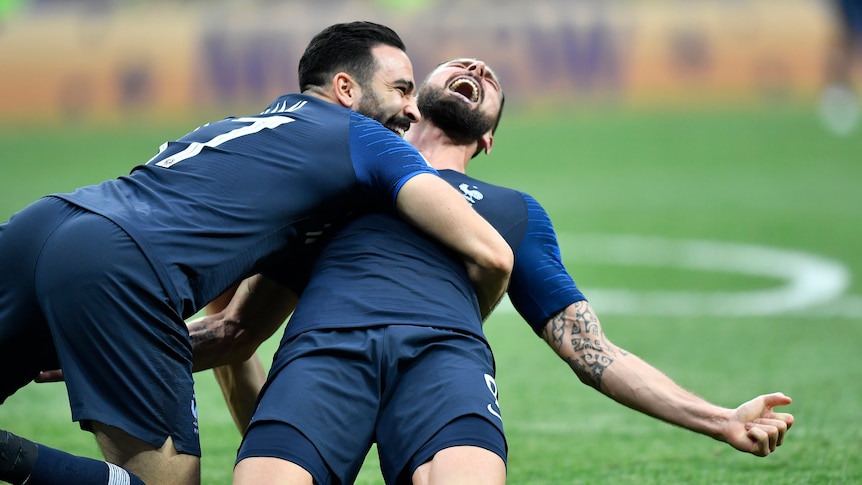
[413,390]
[76,278]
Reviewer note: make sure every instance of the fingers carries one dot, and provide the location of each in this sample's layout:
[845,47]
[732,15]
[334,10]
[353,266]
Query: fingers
[767,434]
[760,438]
[786,417]
[764,428]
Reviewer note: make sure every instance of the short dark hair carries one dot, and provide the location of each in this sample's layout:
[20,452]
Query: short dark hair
[346,48]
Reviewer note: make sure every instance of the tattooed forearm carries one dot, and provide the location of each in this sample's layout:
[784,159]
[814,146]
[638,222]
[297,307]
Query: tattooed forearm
[590,369]
[201,335]
[576,335]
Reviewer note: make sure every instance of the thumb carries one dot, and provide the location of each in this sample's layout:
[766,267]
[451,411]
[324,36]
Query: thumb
[776,399]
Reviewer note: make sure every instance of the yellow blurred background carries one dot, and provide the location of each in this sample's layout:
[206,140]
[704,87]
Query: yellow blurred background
[106,61]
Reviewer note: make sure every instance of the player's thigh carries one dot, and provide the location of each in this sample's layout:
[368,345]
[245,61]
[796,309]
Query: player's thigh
[273,452]
[462,465]
[270,471]
[454,375]
[325,385]
[125,351]
[164,465]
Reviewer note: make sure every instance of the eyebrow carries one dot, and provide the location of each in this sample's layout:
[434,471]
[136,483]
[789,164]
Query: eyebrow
[407,83]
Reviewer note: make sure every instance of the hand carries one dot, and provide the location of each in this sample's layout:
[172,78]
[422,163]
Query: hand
[755,428]
[55,375]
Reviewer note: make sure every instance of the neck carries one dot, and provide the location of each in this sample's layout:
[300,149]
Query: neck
[321,93]
[440,151]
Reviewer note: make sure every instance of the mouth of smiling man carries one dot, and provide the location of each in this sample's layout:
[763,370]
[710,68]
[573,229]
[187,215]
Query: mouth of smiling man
[465,87]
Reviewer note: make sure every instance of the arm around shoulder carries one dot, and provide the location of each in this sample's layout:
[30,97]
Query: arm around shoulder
[430,203]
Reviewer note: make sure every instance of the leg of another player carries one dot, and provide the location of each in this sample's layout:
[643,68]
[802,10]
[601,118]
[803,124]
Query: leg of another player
[462,465]
[25,462]
[163,466]
[270,471]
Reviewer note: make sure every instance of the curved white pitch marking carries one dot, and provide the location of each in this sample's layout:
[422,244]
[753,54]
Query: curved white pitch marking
[808,279]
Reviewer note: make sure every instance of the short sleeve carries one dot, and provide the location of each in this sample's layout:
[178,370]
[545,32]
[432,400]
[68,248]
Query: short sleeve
[540,286]
[382,160]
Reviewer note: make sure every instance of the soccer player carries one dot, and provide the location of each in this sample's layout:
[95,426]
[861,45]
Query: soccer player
[107,274]
[386,342]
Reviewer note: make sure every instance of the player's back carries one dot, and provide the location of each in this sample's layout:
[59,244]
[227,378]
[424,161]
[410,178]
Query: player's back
[213,206]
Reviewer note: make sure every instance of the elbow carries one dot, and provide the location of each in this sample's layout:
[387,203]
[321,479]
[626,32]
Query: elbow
[500,261]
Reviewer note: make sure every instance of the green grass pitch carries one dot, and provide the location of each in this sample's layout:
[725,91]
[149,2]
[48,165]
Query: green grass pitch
[771,178]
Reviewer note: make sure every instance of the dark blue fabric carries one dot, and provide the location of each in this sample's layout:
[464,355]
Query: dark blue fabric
[274,439]
[377,270]
[220,202]
[55,466]
[397,385]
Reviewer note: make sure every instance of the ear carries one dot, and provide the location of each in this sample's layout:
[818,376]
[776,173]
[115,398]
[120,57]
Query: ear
[346,91]
[487,142]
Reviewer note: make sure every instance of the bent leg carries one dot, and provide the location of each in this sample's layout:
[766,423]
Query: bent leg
[458,409]
[270,471]
[467,465]
[124,350]
[25,462]
[274,452]
[163,465]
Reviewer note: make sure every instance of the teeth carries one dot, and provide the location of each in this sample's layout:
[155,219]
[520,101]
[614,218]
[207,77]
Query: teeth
[400,132]
[458,87]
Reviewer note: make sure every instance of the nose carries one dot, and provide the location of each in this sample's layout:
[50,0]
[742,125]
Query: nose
[478,67]
[411,110]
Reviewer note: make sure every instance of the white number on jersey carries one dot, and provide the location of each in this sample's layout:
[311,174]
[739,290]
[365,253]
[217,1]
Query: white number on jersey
[256,125]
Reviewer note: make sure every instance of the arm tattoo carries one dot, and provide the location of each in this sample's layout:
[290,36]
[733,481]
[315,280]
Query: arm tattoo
[557,326]
[199,335]
[586,349]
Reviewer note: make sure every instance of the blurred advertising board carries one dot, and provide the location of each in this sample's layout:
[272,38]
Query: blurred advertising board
[62,61]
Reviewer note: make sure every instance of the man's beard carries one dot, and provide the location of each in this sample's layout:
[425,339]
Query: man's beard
[460,122]
[369,106]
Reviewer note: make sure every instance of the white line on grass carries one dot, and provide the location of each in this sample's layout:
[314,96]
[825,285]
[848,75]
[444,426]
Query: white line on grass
[808,280]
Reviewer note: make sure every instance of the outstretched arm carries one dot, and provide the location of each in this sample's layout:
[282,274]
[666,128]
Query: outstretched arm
[576,335]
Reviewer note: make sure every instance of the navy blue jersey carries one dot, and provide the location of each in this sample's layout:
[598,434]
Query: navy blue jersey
[218,204]
[377,270]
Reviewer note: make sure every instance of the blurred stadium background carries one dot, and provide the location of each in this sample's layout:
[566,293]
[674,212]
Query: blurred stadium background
[89,60]
[703,202]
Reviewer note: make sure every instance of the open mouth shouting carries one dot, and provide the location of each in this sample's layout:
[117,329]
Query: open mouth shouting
[467,88]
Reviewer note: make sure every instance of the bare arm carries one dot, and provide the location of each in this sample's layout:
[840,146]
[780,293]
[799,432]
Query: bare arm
[576,335]
[226,340]
[230,336]
[429,202]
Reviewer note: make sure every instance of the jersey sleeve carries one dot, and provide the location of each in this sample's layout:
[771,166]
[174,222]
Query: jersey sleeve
[540,286]
[382,160]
